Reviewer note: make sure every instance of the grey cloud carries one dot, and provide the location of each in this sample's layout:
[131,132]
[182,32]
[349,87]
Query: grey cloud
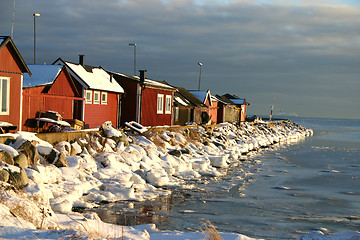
[252,50]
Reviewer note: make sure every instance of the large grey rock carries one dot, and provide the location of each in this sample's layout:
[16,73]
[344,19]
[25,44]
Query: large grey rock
[21,160]
[185,151]
[4,175]
[175,152]
[29,149]
[6,157]
[56,158]
[19,179]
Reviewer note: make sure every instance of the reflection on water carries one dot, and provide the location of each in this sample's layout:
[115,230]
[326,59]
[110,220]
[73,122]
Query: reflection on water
[129,213]
[277,193]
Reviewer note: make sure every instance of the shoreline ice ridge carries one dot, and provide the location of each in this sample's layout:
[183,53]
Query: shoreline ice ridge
[115,166]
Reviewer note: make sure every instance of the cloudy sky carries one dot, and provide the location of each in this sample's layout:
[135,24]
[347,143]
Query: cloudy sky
[303,56]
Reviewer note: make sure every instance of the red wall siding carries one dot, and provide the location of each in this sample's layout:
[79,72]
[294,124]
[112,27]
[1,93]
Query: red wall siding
[213,112]
[9,64]
[149,117]
[220,112]
[59,98]
[149,108]
[63,85]
[97,114]
[128,103]
[34,101]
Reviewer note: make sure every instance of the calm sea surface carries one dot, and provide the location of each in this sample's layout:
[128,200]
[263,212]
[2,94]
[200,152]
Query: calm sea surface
[280,192]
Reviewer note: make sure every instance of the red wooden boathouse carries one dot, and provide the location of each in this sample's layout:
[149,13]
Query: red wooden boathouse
[12,67]
[146,101]
[48,86]
[101,92]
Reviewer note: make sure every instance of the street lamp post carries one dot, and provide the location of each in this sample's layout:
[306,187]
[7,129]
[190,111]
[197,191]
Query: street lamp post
[35,15]
[200,64]
[134,44]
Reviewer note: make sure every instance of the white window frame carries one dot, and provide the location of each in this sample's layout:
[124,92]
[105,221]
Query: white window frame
[168,104]
[5,111]
[160,104]
[88,100]
[104,100]
[97,101]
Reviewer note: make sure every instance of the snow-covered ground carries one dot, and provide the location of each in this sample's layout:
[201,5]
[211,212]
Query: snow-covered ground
[117,166]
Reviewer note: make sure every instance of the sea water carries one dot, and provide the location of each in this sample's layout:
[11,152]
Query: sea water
[280,192]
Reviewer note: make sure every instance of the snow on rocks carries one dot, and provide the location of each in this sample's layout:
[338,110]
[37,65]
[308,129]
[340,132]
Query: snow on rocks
[113,165]
[9,149]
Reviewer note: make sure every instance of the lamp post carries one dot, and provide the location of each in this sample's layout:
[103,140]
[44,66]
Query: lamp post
[200,64]
[134,44]
[35,15]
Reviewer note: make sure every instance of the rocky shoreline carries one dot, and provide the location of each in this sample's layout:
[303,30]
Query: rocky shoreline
[112,165]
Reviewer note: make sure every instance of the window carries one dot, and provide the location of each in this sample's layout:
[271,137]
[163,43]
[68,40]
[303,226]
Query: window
[104,98]
[168,104]
[176,110]
[88,96]
[160,103]
[96,97]
[5,95]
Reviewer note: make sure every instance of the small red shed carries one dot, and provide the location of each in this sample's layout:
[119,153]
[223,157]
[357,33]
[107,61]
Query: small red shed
[214,110]
[205,97]
[227,110]
[101,92]
[146,101]
[45,89]
[12,67]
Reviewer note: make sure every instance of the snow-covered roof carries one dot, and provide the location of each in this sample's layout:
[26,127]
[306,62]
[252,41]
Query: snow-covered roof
[181,101]
[148,82]
[158,84]
[201,95]
[41,75]
[96,78]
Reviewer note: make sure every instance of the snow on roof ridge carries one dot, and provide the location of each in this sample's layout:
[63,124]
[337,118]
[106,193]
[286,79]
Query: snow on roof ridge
[147,81]
[97,79]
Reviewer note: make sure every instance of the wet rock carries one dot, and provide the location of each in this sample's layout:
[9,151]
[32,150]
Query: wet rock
[21,160]
[175,152]
[4,175]
[29,149]
[19,179]
[6,157]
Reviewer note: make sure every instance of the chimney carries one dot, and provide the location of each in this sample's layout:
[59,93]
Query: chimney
[142,76]
[81,60]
